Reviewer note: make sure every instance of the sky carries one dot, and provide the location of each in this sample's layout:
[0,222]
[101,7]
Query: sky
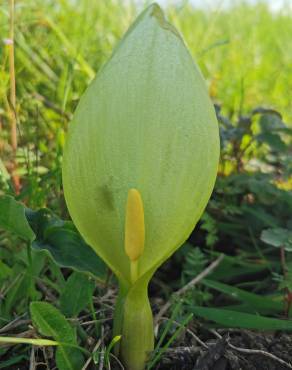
[275,5]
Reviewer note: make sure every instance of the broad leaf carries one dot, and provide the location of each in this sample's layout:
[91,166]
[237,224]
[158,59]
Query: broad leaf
[62,241]
[12,218]
[278,237]
[50,322]
[77,294]
[48,232]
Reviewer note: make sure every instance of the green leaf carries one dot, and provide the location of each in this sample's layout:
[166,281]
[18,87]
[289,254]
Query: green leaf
[4,174]
[16,294]
[51,323]
[113,342]
[233,319]
[12,218]
[233,267]
[260,304]
[278,237]
[69,250]
[48,232]
[12,361]
[273,140]
[76,294]
[271,122]
[5,271]
[64,244]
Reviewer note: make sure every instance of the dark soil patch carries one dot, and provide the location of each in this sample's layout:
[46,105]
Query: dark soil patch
[221,356]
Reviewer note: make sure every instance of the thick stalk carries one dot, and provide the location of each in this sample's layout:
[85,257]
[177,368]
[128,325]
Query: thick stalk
[134,321]
[137,329]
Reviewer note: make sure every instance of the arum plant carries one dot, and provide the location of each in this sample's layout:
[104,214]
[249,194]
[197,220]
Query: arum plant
[139,166]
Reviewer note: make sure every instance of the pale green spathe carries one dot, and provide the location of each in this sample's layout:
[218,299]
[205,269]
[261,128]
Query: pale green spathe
[146,122]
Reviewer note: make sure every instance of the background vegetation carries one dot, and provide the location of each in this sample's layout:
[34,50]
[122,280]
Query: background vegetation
[245,54]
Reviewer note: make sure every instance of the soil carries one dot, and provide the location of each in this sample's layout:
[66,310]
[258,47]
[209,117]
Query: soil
[220,356]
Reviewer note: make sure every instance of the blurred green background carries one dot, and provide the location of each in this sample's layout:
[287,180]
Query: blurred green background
[244,49]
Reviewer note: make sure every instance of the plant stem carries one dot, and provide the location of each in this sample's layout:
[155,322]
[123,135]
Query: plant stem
[118,315]
[288,296]
[34,341]
[137,327]
[283,261]
[30,271]
[13,120]
[96,324]
[134,271]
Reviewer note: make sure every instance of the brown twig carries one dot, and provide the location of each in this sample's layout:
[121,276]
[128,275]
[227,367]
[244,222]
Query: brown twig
[192,334]
[101,358]
[86,323]
[32,361]
[260,352]
[87,363]
[188,286]
[14,324]
[253,351]
[47,292]
[117,360]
